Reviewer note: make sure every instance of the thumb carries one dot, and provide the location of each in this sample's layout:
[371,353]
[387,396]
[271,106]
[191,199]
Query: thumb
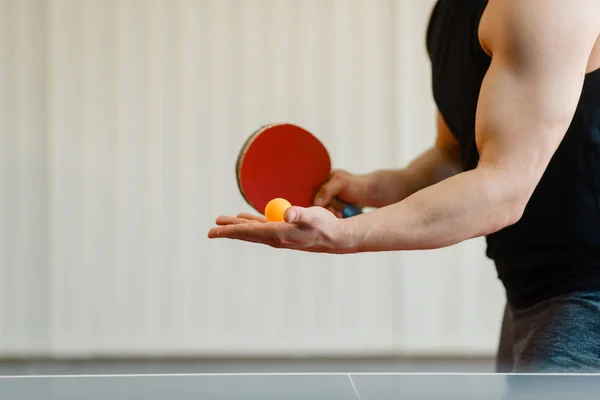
[307,217]
[328,191]
[294,214]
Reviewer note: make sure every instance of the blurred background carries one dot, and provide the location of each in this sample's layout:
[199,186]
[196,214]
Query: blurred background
[120,123]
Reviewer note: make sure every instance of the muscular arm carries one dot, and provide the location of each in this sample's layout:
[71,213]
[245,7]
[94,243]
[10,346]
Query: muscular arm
[436,164]
[540,51]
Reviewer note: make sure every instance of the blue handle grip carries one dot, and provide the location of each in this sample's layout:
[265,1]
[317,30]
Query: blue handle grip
[347,210]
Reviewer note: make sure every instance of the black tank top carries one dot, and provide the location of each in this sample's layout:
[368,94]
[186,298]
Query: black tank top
[555,247]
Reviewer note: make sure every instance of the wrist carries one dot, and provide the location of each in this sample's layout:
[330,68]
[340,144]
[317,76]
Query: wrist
[348,238]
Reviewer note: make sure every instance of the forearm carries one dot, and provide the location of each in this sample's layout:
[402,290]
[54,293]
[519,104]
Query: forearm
[431,167]
[464,206]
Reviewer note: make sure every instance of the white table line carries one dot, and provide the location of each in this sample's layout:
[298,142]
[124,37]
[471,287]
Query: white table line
[354,387]
[249,374]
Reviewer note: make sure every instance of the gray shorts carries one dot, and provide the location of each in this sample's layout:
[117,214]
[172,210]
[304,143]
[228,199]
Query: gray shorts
[559,335]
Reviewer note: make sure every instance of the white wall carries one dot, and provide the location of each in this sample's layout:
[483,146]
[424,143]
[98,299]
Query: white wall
[120,121]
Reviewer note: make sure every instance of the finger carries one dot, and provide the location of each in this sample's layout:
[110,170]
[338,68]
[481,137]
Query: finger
[252,232]
[293,214]
[213,233]
[335,212]
[219,232]
[252,217]
[303,216]
[329,190]
[229,220]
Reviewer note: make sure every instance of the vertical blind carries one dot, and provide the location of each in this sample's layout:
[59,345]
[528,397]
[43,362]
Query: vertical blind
[120,122]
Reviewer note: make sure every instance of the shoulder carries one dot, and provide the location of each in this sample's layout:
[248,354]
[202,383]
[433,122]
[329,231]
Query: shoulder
[529,30]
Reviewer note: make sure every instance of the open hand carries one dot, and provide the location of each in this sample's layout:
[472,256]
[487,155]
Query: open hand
[313,229]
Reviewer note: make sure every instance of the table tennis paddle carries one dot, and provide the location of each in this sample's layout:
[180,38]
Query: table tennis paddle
[286,161]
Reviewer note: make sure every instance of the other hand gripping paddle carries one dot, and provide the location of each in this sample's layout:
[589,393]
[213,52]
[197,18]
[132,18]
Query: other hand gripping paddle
[284,160]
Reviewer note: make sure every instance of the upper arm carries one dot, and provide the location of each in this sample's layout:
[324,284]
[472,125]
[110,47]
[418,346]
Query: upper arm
[540,50]
[446,141]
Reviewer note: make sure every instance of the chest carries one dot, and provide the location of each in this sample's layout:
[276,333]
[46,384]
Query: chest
[458,65]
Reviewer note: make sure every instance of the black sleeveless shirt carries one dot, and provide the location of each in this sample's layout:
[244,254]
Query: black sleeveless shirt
[555,247]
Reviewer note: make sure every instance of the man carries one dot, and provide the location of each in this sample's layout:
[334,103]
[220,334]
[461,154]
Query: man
[517,160]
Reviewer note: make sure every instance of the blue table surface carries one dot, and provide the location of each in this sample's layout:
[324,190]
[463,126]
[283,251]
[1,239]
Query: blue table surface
[299,386]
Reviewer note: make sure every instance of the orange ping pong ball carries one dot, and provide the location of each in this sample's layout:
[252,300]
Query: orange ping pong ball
[275,209]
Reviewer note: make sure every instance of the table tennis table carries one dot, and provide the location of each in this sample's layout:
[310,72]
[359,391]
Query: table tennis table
[297,386]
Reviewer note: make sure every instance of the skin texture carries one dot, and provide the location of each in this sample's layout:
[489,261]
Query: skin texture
[384,187]
[541,51]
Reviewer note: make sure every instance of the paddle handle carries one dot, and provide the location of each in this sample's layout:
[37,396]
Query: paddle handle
[347,210]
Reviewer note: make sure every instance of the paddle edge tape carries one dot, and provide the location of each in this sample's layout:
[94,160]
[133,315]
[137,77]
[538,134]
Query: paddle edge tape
[242,153]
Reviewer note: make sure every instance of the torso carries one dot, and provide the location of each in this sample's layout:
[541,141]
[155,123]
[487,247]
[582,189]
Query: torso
[555,247]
